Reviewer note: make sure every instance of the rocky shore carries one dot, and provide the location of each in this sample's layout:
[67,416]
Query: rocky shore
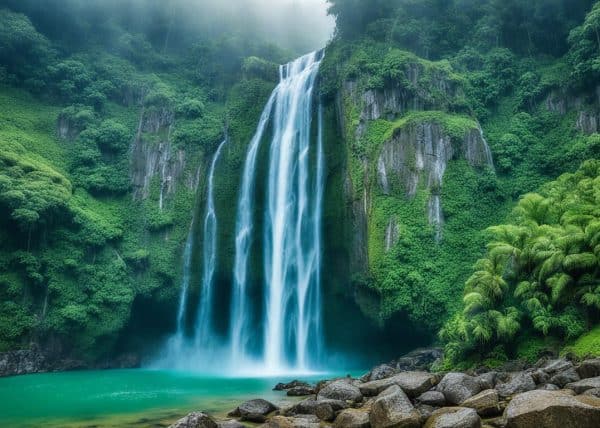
[406,394]
[29,361]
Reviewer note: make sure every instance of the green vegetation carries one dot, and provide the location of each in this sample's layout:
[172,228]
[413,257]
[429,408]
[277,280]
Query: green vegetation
[93,232]
[460,64]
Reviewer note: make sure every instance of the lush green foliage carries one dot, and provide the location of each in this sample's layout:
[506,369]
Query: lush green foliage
[540,274]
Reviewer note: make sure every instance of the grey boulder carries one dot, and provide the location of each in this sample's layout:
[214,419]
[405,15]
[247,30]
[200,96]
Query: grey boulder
[393,409]
[352,418]
[518,382]
[340,390]
[195,420]
[457,387]
[454,417]
[535,409]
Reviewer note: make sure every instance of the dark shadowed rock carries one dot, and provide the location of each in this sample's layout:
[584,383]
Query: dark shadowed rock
[486,403]
[425,411]
[392,408]
[536,409]
[432,398]
[290,385]
[517,383]
[419,359]
[380,372]
[589,368]
[487,380]
[457,387]
[14,363]
[300,391]
[583,385]
[300,421]
[352,418]
[325,412]
[254,410]
[340,390]
[412,383]
[540,377]
[195,420]
[310,405]
[564,377]
[454,417]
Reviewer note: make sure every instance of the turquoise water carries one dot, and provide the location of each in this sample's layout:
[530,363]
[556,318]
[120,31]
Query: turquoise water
[122,398]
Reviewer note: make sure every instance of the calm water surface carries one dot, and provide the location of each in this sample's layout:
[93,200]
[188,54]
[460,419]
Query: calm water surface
[125,398]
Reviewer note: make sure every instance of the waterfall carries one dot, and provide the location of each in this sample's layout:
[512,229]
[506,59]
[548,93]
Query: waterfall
[291,336]
[280,331]
[240,304]
[205,334]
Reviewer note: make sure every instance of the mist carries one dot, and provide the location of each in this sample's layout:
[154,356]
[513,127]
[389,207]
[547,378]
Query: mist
[295,25]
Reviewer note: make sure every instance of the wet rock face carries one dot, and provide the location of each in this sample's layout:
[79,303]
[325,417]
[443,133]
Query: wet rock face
[22,362]
[588,122]
[151,159]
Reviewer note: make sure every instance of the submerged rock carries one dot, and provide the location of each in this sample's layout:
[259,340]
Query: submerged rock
[195,420]
[535,409]
[290,385]
[230,424]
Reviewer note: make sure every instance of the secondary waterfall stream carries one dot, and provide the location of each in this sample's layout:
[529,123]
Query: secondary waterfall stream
[281,331]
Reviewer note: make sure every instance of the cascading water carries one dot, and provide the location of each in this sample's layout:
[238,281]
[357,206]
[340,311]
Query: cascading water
[289,325]
[205,335]
[292,327]
[179,351]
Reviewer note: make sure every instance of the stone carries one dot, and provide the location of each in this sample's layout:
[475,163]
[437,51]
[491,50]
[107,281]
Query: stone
[254,410]
[564,377]
[352,418]
[419,359]
[230,424]
[550,387]
[325,412]
[540,376]
[412,383]
[425,411]
[432,398]
[535,409]
[300,421]
[589,368]
[21,362]
[518,382]
[487,380]
[300,391]
[594,392]
[486,403]
[309,407]
[583,385]
[393,409]
[555,366]
[340,390]
[380,372]
[290,385]
[195,420]
[457,387]
[454,417]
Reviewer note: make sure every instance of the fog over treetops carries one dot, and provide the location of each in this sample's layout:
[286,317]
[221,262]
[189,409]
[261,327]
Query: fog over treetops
[298,25]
